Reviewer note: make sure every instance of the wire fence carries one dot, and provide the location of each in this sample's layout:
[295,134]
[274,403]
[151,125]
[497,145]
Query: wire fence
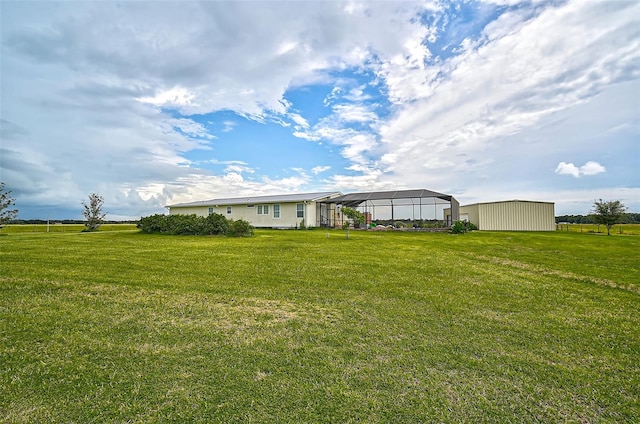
[629,229]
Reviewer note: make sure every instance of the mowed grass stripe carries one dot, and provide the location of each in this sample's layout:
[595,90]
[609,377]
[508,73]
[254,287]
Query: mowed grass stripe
[298,326]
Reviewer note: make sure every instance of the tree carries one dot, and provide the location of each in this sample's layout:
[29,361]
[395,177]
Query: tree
[607,212]
[357,216]
[6,201]
[93,212]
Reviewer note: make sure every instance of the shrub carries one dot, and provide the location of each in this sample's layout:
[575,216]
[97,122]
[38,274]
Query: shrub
[461,227]
[190,225]
[240,228]
[458,227]
[214,224]
[153,224]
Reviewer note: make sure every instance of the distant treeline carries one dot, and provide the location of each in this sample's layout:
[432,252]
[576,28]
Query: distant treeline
[627,218]
[62,221]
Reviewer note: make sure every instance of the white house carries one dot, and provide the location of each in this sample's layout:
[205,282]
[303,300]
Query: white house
[278,211]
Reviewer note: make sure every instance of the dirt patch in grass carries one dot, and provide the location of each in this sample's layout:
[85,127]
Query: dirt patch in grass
[136,311]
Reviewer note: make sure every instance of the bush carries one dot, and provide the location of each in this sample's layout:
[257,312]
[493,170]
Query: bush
[458,227]
[153,224]
[461,227]
[214,224]
[190,225]
[240,228]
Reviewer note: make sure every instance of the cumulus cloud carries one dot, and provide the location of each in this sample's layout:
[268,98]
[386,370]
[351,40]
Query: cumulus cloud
[99,96]
[175,97]
[319,169]
[589,168]
[515,78]
[592,168]
[238,168]
[299,120]
[564,168]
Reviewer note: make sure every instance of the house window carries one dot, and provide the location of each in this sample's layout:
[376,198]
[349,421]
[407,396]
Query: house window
[276,211]
[210,211]
[228,209]
[266,209]
[300,210]
[263,210]
[250,206]
[259,210]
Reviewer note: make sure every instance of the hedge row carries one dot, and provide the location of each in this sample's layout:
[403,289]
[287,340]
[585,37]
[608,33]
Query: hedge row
[214,224]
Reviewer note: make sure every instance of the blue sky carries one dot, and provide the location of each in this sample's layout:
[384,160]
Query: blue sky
[160,102]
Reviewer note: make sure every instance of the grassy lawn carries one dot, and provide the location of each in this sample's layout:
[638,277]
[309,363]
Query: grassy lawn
[633,229]
[307,326]
[60,228]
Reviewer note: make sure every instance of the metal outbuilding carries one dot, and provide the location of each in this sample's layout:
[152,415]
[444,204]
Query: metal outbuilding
[510,215]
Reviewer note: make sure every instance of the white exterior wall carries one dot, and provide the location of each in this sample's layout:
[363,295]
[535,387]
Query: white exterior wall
[288,214]
[516,216]
[192,210]
[513,215]
[471,213]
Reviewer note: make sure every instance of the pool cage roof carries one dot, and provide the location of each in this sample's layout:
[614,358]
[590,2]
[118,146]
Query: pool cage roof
[398,198]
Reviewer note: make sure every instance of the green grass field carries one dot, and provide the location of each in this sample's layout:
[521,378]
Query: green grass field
[307,326]
[628,229]
[60,228]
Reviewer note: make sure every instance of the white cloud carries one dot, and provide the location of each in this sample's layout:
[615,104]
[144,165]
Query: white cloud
[592,168]
[310,136]
[299,120]
[335,92]
[357,94]
[515,80]
[233,178]
[319,169]
[239,169]
[564,168]
[105,95]
[175,97]
[348,113]
[589,168]
[189,127]
[229,126]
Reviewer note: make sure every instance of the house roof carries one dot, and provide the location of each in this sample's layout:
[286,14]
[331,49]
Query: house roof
[354,199]
[279,198]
